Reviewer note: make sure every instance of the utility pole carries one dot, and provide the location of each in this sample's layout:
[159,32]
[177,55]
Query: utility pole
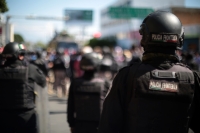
[1,27]
[7,29]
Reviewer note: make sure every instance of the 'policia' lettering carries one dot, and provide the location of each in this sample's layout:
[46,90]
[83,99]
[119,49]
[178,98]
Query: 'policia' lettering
[164,38]
[163,86]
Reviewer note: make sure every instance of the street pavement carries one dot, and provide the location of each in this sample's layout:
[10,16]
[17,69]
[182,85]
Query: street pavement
[57,115]
[51,109]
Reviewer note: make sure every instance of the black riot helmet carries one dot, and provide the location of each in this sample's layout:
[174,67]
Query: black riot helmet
[161,29]
[90,61]
[13,49]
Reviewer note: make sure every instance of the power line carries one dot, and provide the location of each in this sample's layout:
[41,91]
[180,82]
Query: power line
[32,17]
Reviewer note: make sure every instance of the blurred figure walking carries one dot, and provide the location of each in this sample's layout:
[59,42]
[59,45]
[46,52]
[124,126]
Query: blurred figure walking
[60,72]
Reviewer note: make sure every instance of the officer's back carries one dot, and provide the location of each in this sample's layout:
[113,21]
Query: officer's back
[86,95]
[17,97]
[158,94]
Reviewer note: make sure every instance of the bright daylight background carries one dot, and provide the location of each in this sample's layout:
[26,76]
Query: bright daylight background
[43,30]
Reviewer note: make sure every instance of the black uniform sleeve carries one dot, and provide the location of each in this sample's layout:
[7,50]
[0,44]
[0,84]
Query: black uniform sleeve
[112,115]
[70,106]
[106,87]
[42,65]
[195,119]
[37,75]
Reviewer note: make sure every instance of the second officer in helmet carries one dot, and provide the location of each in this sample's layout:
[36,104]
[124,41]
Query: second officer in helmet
[17,97]
[86,95]
[158,95]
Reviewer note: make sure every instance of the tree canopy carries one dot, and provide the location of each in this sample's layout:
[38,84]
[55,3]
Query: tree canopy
[109,42]
[40,44]
[3,6]
[18,38]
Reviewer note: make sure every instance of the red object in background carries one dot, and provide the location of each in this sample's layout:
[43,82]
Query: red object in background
[1,49]
[135,35]
[77,71]
[97,35]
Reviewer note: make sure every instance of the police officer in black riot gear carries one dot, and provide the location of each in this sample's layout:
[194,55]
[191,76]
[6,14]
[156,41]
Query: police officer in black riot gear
[158,95]
[86,95]
[17,97]
[41,63]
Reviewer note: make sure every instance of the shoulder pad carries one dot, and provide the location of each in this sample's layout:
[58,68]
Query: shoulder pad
[130,65]
[134,63]
[184,65]
[181,64]
[125,67]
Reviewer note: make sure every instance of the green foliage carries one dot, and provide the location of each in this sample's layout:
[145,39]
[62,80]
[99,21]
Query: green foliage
[40,44]
[3,6]
[27,45]
[18,38]
[109,42]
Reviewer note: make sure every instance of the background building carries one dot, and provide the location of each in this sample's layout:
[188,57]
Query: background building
[190,18]
[126,29]
[3,32]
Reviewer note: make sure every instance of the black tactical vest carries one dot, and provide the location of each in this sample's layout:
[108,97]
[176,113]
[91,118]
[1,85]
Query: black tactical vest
[88,99]
[15,94]
[159,100]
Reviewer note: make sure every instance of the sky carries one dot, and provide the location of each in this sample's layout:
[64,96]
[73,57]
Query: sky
[43,30]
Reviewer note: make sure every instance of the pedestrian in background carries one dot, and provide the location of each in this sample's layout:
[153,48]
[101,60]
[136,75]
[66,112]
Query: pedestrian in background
[60,72]
[108,66]
[160,94]
[188,59]
[135,55]
[17,97]
[86,96]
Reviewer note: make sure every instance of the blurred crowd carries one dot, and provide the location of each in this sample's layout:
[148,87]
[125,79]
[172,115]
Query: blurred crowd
[60,66]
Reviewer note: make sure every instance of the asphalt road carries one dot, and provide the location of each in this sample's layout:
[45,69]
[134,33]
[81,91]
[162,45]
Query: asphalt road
[51,112]
[57,115]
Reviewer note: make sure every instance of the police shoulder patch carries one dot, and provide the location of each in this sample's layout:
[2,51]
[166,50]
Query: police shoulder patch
[163,86]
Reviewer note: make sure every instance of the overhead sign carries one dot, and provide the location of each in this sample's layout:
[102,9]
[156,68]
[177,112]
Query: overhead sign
[129,12]
[79,16]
